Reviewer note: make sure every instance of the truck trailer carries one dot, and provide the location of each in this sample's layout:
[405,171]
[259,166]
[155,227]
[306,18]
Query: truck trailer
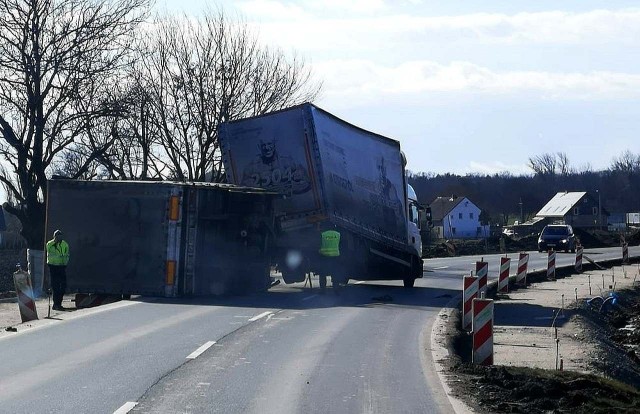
[331,175]
[162,238]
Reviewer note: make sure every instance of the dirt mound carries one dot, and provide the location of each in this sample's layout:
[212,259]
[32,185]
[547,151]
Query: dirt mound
[499,389]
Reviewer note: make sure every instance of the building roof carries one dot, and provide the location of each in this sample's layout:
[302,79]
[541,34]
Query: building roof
[561,204]
[441,206]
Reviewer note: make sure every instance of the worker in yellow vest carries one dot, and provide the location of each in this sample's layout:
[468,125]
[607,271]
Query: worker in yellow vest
[330,259]
[57,259]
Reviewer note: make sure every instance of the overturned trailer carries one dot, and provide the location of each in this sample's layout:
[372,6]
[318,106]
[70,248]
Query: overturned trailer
[162,238]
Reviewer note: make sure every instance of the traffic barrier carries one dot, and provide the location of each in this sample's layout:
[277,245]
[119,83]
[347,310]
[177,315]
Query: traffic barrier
[25,294]
[551,265]
[625,253]
[469,293]
[482,271]
[503,279]
[578,265]
[482,353]
[523,263]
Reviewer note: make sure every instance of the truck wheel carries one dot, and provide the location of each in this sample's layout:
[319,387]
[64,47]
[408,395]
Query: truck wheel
[408,282]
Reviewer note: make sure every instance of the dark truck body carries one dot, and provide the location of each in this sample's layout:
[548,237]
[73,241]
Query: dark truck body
[332,175]
[162,238]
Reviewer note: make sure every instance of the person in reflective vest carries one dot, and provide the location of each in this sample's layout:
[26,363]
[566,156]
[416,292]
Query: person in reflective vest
[57,260]
[330,258]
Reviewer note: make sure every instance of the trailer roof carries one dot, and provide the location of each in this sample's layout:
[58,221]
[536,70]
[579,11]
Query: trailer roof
[309,104]
[218,186]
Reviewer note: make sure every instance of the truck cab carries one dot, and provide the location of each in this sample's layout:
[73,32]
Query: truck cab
[413,222]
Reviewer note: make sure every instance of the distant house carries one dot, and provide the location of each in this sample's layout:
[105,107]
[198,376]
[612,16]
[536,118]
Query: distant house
[577,209]
[456,218]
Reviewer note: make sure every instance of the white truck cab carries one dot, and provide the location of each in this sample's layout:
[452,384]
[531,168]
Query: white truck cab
[413,225]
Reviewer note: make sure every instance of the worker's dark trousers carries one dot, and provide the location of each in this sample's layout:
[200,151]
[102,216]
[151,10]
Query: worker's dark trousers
[58,283]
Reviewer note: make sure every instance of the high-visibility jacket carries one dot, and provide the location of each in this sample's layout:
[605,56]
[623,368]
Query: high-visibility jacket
[330,243]
[57,253]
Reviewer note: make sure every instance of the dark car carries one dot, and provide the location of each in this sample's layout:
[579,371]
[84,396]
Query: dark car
[557,237]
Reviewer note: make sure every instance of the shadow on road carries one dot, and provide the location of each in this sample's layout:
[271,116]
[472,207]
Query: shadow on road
[352,295]
[526,314]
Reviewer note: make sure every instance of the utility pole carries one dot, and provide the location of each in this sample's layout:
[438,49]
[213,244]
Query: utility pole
[521,213]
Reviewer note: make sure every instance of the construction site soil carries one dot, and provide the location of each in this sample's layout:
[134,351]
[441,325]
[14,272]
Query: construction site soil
[611,386]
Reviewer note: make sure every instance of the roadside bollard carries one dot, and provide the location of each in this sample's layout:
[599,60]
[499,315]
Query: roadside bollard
[578,264]
[482,271]
[551,265]
[482,353]
[625,253]
[523,263]
[469,292]
[503,279]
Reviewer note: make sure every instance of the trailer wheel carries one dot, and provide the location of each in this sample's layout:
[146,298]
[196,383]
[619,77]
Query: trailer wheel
[408,282]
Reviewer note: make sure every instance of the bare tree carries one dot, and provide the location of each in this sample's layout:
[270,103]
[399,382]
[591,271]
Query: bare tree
[55,59]
[627,162]
[544,164]
[563,163]
[200,73]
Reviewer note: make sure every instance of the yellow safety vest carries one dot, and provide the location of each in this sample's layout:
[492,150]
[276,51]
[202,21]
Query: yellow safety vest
[57,253]
[330,243]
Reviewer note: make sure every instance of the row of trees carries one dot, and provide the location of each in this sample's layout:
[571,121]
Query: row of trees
[505,195]
[99,89]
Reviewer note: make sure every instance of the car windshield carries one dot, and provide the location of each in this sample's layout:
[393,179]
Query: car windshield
[555,231]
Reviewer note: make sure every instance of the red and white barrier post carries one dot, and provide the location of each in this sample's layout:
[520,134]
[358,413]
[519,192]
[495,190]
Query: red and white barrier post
[482,271]
[625,253]
[25,293]
[523,263]
[469,293]
[578,266]
[551,265]
[482,353]
[503,279]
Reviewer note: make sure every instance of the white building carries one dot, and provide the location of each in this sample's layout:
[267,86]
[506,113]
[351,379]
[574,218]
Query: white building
[457,218]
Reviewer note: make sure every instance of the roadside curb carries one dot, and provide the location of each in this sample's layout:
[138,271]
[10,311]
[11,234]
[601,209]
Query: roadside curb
[441,350]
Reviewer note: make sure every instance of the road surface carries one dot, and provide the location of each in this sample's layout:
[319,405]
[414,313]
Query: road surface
[288,350]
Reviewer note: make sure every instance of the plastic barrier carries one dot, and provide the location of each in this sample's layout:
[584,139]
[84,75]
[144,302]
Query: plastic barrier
[482,271]
[26,302]
[523,263]
[503,279]
[482,353]
[469,293]
[551,265]
[578,265]
[625,253]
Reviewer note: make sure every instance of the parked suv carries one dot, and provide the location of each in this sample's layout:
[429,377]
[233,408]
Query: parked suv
[557,237]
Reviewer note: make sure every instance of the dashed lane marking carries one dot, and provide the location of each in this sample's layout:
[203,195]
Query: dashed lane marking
[262,315]
[440,268]
[126,407]
[309,297]
[195,354]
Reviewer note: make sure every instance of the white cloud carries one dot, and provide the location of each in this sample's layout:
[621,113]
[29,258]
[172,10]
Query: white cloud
[362,79]
[312,29]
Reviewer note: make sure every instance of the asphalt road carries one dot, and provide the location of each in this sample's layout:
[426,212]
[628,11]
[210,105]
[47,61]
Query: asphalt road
[287,350]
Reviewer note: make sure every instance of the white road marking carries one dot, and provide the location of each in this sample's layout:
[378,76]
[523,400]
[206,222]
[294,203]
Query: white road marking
[309,297]
[126,407]
[195,354]
[262,315]
[360,282]
[441,267]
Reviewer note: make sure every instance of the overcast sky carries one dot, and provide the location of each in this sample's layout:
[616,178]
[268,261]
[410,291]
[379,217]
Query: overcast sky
[464,85]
